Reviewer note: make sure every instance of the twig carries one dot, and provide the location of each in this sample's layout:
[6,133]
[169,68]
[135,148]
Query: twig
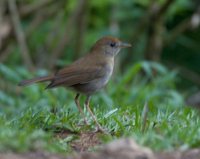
[20,34]
[5,27]
[5,32]
[2,9]
[162,10]
[191,22]
[41,15]
[80,26]
[33,7]
[5,53]
[67,35]
[155,30]
[140,26]
[150,22]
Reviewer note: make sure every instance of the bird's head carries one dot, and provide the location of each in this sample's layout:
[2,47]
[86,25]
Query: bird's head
[109,46]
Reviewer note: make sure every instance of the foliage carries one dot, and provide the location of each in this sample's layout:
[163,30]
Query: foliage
[31,116]
[57,32]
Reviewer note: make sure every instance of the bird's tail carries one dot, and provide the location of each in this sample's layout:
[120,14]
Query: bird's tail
[35,80]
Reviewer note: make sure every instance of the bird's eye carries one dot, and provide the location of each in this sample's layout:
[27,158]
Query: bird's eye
[112,44]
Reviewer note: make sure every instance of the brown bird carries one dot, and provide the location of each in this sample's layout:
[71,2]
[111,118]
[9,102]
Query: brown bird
[87,74]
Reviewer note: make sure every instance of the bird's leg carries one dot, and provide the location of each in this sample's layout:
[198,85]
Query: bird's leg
[87,103]
[80,109]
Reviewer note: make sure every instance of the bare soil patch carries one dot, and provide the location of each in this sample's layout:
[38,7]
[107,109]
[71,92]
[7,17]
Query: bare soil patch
[119,149]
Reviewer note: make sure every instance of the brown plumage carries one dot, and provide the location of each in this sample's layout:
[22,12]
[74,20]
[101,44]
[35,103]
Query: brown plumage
[88,74]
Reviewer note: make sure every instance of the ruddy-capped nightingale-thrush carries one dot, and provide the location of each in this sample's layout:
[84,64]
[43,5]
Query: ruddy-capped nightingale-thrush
[87,74]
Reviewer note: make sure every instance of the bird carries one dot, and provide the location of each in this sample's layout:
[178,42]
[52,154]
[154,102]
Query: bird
[88,74]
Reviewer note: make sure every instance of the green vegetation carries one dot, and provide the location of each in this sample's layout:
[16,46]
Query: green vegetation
[31,117]
[160,72]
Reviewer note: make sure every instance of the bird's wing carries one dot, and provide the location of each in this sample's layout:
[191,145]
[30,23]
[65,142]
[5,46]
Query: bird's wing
[76,75]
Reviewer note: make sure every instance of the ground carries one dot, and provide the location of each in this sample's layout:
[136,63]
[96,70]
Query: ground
[120,149]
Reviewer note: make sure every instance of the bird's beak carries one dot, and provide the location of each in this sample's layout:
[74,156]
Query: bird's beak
[124,45]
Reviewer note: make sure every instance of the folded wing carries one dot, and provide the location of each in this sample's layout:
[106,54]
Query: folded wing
[76,75]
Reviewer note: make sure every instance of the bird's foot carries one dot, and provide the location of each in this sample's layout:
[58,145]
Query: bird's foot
[86,122]
[101,130]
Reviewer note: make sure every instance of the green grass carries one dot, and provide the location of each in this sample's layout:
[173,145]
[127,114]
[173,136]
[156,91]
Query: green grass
[30,116]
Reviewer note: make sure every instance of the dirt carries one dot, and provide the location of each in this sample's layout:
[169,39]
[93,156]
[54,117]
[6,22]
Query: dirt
[119,149]
[189,154]
[86,141]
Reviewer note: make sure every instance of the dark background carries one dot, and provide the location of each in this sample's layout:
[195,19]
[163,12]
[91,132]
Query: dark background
[49,34]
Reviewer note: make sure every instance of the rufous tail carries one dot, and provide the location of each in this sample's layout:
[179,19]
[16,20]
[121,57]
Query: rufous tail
[35,80]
